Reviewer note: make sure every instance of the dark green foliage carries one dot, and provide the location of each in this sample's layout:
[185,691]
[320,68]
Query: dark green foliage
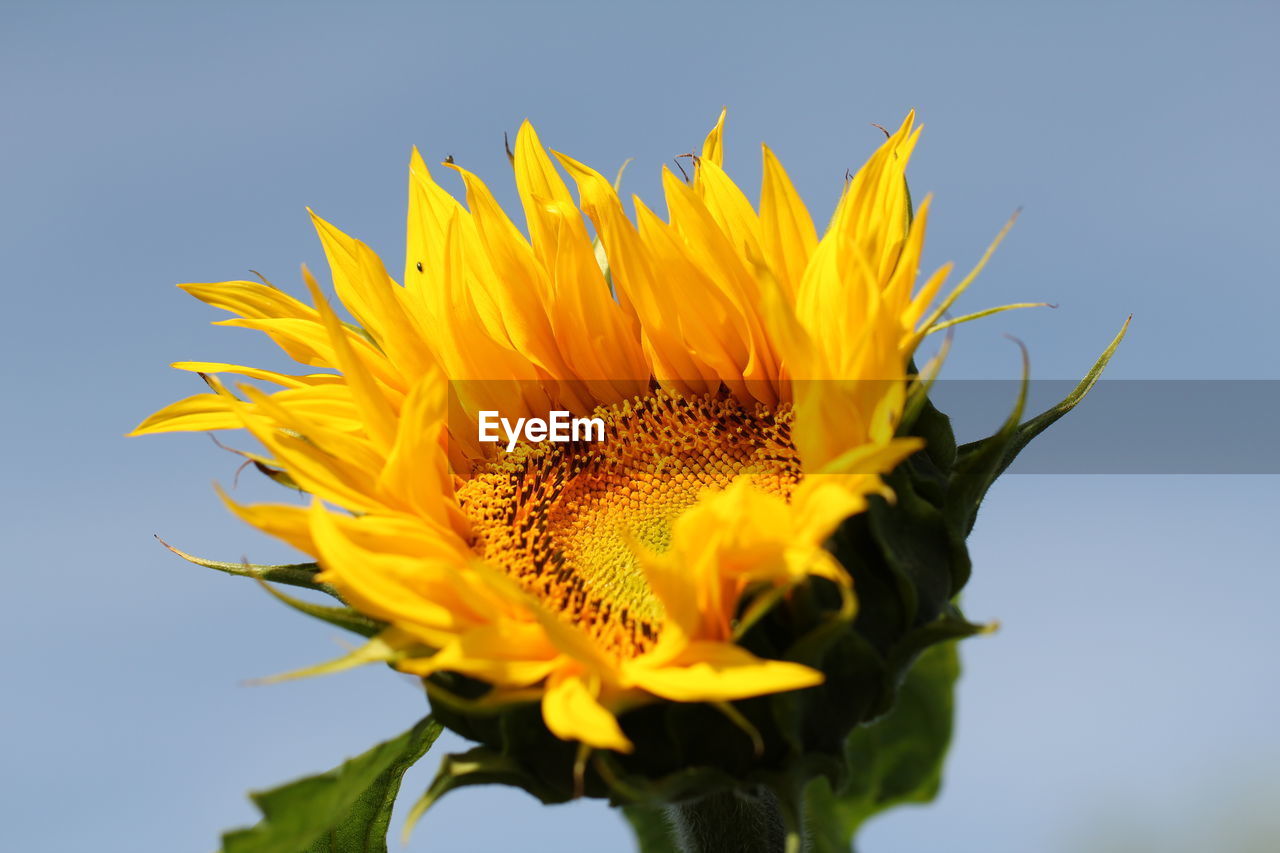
[346,810]
[894,760]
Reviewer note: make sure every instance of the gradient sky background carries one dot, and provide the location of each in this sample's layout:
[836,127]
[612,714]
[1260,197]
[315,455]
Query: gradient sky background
[1127,704]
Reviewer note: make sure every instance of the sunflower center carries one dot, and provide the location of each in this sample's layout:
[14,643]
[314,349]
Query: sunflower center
[563,519]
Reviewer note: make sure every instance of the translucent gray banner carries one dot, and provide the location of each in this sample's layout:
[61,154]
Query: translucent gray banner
[1131,426]
[1123,426]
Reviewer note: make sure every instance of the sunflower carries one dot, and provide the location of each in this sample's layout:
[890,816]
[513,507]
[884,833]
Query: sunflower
[750,373]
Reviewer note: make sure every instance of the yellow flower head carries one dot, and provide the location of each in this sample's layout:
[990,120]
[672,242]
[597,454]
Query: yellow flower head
[750,375]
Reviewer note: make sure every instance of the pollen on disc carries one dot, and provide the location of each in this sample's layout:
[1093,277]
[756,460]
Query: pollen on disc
[564,519]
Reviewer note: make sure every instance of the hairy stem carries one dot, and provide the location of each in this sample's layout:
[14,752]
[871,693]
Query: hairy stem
[732,821]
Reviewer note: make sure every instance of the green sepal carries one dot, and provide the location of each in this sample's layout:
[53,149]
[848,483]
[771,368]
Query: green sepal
[914,543]
[362,332]
[951,625]
[292,574]
[895,760]
[987,312]
[1033,427]
[922,419]
[979,463]
[480,766]
[341,617]
[935,428]
[346,810]
[277,475]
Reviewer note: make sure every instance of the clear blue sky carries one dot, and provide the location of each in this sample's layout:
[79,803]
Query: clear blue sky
[1129,699]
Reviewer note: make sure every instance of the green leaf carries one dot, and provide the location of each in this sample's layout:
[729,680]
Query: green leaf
[345,810]
[652,828]
[897,759]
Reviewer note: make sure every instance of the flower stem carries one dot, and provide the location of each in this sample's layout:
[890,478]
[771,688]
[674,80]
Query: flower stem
[733,821]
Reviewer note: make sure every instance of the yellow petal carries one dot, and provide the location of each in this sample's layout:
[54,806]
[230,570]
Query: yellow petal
[657,300]
[197,413]
[416,475]
[714,252]
[379,417]
[330,404]
[541,192]
[786,228]
[713,672]
[363,286]
[284,521]
[593,333]
[730,208]
[250,299]
[286,379]
[325,462]
[430,209]
[304,340]
[520,282]
[397,571]
[507,655]
[572,712]
[713,146]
